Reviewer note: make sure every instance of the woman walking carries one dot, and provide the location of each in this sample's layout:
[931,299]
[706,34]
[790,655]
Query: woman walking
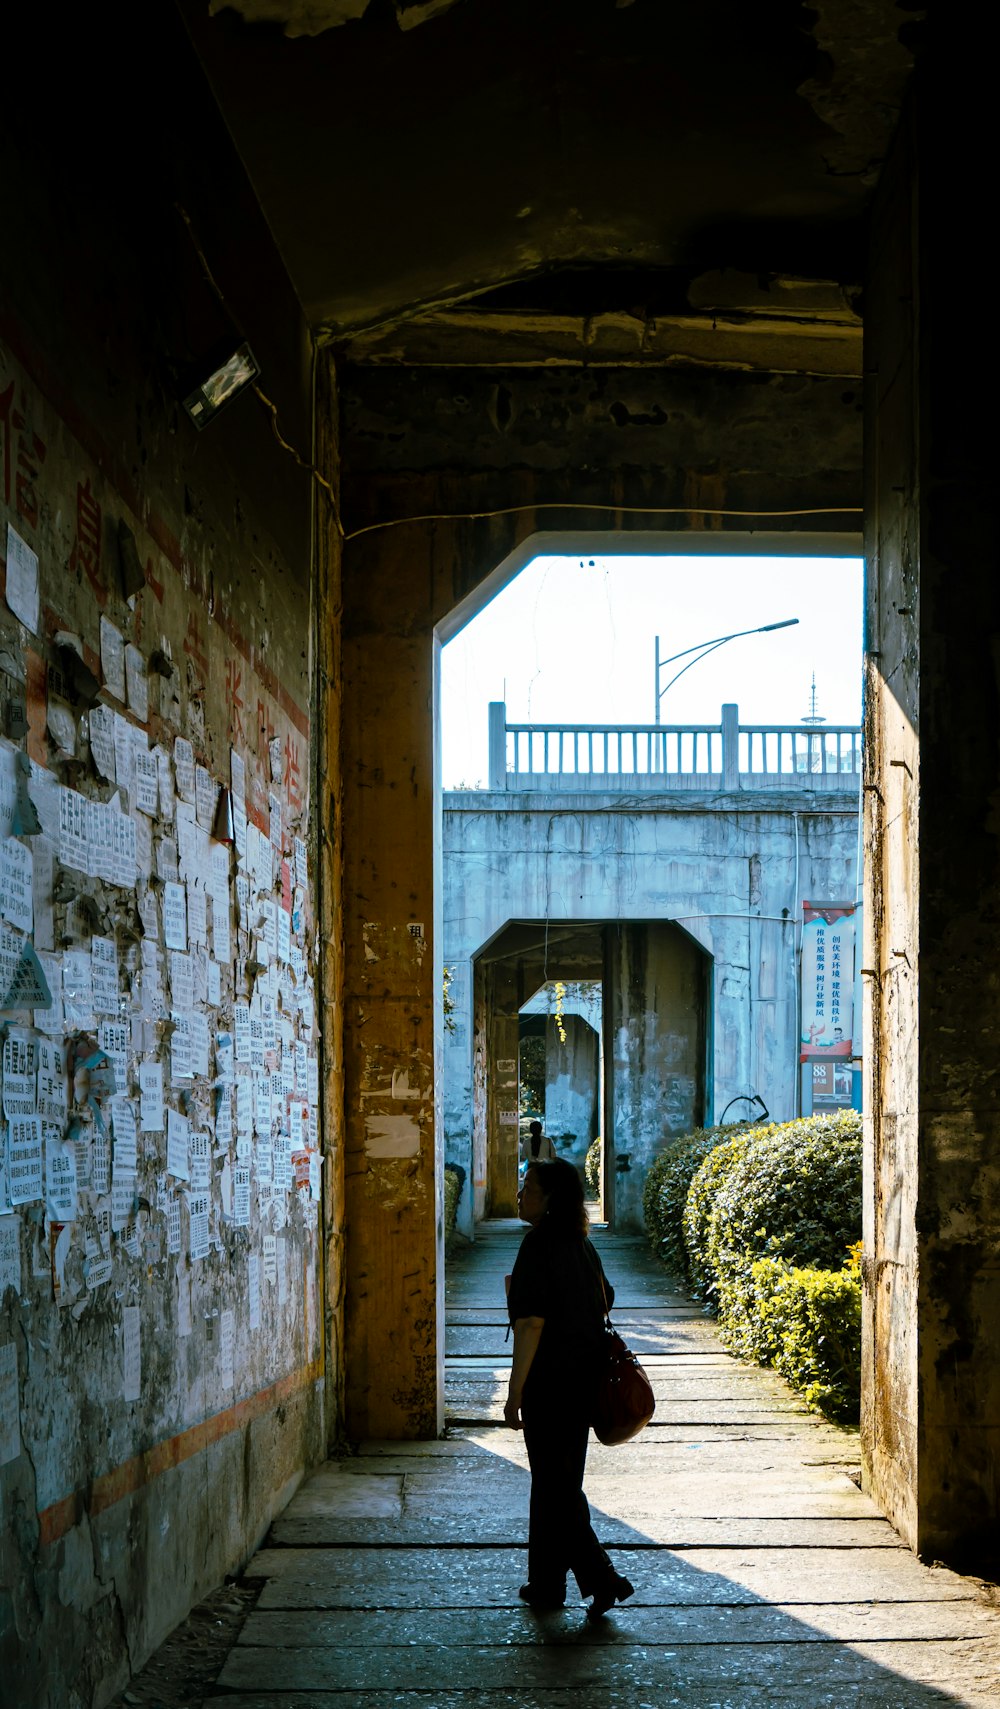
[557,1300]
[536,1147]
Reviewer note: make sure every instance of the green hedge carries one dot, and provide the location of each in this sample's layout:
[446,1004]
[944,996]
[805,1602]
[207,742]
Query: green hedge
[592,1166]
[792,1191]
[453,1179]
[699,1205]
[804,1322]
[665,1191]
[769,1231]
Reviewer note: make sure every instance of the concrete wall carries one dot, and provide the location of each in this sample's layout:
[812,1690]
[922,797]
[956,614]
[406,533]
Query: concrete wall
[658,984]
[733,870]
[931,1401]
[160,1315]
[572,1082]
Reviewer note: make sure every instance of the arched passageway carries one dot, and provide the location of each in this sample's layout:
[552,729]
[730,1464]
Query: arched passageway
[392,842]
[655,999]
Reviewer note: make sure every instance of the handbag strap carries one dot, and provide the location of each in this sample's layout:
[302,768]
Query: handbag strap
[600,1278]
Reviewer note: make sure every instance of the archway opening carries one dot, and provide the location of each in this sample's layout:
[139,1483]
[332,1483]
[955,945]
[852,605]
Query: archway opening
[616,785]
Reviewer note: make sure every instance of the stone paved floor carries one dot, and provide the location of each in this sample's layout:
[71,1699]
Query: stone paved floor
[763,1576]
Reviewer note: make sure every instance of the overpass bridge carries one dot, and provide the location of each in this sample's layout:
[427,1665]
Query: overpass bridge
[667,866]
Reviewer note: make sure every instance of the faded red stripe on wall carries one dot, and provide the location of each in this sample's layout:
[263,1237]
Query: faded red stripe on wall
[111,1487]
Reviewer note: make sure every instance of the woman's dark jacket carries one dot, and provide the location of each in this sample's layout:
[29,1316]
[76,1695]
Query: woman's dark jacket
[558,1277]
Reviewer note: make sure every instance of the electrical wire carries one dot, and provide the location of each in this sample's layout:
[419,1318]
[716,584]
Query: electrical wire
[617,509]
[310,468]
[477,515]
[272,408]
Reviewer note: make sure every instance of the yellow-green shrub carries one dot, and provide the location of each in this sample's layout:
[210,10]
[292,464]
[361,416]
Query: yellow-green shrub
[699,1204]
[665,1190]
[592,1166]
[793,1191]
[771,1218]
[806,1323]
[453,1178]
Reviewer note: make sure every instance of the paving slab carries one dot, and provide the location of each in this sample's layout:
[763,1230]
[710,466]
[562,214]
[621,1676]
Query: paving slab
[668,1455]
[665,1531]
[645,1338]
[677,1578]
[783,1428]
[820,1669]
[759,1623]
[717,1497]
[720,1375]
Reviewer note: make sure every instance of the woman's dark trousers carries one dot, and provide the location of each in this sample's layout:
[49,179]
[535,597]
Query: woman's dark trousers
[560,1535]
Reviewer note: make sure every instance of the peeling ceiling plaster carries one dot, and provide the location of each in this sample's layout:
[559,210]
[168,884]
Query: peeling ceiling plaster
[869,61]
[408,170]
[313,17]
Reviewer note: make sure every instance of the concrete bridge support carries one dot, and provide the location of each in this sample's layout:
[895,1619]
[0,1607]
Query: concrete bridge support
[657,986]
[931,1407]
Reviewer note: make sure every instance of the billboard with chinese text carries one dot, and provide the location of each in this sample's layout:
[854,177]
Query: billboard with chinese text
[827,981]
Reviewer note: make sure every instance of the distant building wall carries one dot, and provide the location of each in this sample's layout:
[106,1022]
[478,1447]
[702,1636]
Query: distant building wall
[732,868]
[572,1083]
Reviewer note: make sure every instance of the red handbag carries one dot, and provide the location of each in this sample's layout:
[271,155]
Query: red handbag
[623,1402]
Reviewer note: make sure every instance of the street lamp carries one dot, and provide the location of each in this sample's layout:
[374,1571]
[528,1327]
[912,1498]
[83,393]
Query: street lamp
[703,648]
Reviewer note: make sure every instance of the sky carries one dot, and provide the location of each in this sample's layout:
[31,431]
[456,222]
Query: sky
[572,641]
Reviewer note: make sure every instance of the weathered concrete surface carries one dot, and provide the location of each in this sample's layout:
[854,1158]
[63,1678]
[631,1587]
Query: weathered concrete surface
[572,1083]
[745,1593]
[749,121]
[658,983]
[931,1421]
[392,1166]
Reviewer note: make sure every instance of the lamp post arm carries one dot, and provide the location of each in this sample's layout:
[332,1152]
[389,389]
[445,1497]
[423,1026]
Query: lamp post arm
[699,644]
[703,648]
[711,648]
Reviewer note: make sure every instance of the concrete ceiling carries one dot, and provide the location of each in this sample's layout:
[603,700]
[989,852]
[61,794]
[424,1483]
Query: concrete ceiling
[576,159]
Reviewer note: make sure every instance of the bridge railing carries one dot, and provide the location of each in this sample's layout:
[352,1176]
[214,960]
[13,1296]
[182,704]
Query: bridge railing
[727,755]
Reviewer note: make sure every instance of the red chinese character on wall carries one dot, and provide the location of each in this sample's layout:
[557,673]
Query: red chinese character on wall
[24,451]
[234,683]
[194,644]
[86,554]
[293,774]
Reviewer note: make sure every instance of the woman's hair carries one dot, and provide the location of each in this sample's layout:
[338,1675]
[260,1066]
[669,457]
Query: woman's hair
[566,1212]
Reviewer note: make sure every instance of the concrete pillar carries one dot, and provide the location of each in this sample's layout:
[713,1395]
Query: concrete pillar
[931,1398]
[329,902]
[655,996]
[498,744]
[393,1308]
[730,747]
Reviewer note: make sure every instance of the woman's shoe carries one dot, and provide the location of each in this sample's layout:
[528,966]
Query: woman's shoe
[614,1589]
[538,1596]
